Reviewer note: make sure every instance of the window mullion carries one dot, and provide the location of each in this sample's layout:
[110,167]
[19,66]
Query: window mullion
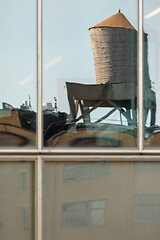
[38,201]
[140,77]
[39,74]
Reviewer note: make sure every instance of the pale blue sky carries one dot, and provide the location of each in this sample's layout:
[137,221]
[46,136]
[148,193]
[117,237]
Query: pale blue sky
[18,50]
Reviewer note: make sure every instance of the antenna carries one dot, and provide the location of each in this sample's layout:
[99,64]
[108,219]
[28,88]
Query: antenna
[29,100]
[55,103]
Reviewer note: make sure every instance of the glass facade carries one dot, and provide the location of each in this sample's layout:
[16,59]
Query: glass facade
[79,126]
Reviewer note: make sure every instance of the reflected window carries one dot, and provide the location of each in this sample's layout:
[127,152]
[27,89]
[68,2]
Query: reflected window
[24,219]
[23,182]
[80,171]
[147,209]
[88,213]
[147,166]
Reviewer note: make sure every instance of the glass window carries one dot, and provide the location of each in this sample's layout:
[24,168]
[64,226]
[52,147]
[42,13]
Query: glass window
[123,204]
[151,73]
[17,200]
[18,73]
[90,73]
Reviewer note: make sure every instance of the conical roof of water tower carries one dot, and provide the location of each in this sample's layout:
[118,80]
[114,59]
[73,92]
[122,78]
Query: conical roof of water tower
[118,20]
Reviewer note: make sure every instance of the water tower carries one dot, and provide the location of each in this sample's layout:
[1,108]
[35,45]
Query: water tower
[114,43]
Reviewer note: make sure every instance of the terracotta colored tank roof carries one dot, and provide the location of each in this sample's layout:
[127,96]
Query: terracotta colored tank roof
[116,21]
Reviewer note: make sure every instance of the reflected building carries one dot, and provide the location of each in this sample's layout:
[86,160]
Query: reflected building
[99,199]
[17,128]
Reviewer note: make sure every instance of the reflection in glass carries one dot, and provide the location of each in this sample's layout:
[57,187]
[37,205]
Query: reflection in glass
[88,213]
[90,76]
[151,61]
[147,209]
[77,172]
[16,201]
[123,204]
[18,73]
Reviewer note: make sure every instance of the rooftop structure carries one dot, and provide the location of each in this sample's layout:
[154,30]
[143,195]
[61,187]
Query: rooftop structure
[118,20]
[114,43]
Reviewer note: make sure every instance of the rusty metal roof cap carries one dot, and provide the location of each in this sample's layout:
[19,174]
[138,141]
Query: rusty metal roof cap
[118,20]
